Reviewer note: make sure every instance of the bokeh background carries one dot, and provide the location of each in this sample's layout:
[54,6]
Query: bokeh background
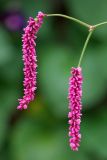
[41,132]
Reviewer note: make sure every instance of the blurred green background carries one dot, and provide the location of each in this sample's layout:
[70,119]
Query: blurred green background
[41,132]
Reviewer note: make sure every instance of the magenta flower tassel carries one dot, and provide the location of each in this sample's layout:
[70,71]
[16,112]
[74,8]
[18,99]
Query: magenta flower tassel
[74,96]
[30,61]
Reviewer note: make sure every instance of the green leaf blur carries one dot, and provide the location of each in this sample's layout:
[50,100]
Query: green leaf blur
[41,132]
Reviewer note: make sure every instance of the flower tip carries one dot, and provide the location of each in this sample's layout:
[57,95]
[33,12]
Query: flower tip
[19,107]
[73,147]
[41,14]
[25,106]
[22,107]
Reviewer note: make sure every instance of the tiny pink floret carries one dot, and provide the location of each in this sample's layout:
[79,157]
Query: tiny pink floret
[75,106]
[29,59]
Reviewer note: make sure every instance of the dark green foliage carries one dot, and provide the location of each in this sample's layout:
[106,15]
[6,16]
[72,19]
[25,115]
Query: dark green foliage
[41,132]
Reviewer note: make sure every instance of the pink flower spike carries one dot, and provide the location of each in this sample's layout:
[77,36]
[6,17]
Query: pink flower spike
[29,59]
[74,115]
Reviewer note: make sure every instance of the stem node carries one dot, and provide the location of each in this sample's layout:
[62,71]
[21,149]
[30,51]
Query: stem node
[91,28]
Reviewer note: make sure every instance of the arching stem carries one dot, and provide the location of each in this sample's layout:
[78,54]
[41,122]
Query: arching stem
[85,46]
[91,28]
[70,18]
[100,24]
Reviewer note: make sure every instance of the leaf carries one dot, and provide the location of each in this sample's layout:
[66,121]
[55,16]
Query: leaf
[101,59]
[54,72]
[6,49]
[32,7]
[30,140]
[94,130]
[93,83]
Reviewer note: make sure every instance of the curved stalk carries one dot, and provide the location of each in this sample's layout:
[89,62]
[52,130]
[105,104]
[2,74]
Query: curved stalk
[84,47]
[70,18]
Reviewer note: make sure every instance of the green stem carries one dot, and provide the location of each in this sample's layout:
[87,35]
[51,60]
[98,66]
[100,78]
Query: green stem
[85,46]
[71,18]
[100,24]
[90,27]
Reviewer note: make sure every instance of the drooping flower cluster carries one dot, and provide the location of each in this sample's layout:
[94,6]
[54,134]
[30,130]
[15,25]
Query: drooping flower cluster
[75,106]
[30,61]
